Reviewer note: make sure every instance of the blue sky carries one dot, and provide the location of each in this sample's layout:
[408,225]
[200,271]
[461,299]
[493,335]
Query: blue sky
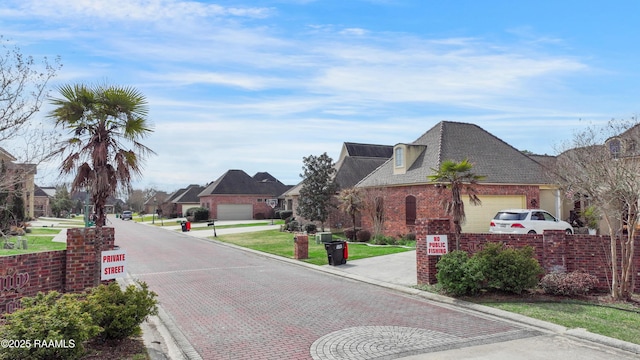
[257,85]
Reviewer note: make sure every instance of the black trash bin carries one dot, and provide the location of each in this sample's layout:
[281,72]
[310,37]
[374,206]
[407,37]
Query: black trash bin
[184,226]
[336,252]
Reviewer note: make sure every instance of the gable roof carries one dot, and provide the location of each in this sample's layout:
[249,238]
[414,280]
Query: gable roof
[491,157]
[356,161]
[188,195]
[353,169]
[39,192]
[238,182]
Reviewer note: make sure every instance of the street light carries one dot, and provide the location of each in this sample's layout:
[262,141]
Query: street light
[155,207]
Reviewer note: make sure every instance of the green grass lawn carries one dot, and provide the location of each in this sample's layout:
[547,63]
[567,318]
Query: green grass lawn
[281,243]
[43,231]
[35,243]
[619,321]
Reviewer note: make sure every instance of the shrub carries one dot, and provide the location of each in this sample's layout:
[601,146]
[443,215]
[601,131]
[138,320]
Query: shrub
[458,274]
[363,235]
[118,312]
[510,270]
[350,233]
[410,237]
[284,214]
[293,225]
[260,216]
[49,317]
[310,228]
[384,240]
[569,284]
[198,214]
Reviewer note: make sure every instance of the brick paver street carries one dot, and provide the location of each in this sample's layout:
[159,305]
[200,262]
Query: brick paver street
[233,304]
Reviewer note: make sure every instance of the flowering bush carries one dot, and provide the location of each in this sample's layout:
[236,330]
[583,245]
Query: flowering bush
[573,283]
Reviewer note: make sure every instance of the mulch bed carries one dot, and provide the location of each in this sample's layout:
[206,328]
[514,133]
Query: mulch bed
[116,350]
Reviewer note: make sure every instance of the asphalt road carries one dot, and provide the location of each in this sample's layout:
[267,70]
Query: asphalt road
[219,302]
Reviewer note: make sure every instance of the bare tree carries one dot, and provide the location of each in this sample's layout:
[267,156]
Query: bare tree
[23,87]
[351,204]
[602,163]
[373,208]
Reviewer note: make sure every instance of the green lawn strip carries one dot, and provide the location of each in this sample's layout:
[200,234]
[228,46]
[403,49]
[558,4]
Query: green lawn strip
[43,231]
[281,244]
[35,243]
[603,320]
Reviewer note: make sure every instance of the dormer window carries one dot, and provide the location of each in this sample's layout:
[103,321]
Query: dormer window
[399,157]
[614,148]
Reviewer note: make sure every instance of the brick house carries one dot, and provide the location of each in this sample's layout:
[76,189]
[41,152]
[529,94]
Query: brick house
[356,161]
[180,201]
[513,179]
[238,196]
[18,176]
[42,200]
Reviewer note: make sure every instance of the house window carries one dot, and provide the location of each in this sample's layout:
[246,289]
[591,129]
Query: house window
[614,147]
[410,210]
[399,157]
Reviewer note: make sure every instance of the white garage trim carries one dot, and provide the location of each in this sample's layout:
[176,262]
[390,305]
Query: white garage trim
[235,212]
[479,217]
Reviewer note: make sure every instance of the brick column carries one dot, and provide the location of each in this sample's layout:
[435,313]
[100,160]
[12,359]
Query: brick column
[426,265]
[301,246]
[83,256]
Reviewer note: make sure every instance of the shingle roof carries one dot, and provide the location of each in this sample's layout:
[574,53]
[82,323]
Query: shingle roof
[39,192]
[491,157]
[238,182]
[188,195]
[353,169]
[369,150]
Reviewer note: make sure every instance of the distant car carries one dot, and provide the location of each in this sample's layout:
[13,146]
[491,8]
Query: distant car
[126,215]
[526,221]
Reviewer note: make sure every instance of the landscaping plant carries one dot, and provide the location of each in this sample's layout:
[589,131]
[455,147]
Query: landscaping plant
[56,319]
[120,313]
[568,284]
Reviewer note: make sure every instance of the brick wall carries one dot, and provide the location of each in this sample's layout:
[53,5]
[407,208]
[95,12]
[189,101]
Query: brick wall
[26,275]
[428,203]
[71,270]
[554,250]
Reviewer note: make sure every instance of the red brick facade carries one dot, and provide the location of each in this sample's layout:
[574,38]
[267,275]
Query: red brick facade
[72,270]
[554,250]
[428,203]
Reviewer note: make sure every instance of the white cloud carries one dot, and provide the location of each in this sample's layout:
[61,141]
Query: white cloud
[135,10]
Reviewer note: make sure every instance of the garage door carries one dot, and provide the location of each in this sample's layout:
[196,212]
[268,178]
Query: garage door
[235,212]
[479,217]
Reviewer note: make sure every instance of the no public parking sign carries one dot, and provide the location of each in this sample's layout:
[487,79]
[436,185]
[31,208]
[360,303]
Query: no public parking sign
[437,244]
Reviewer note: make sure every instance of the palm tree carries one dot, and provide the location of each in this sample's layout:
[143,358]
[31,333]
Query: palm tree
[105,124]
[457,176]
[351,204]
